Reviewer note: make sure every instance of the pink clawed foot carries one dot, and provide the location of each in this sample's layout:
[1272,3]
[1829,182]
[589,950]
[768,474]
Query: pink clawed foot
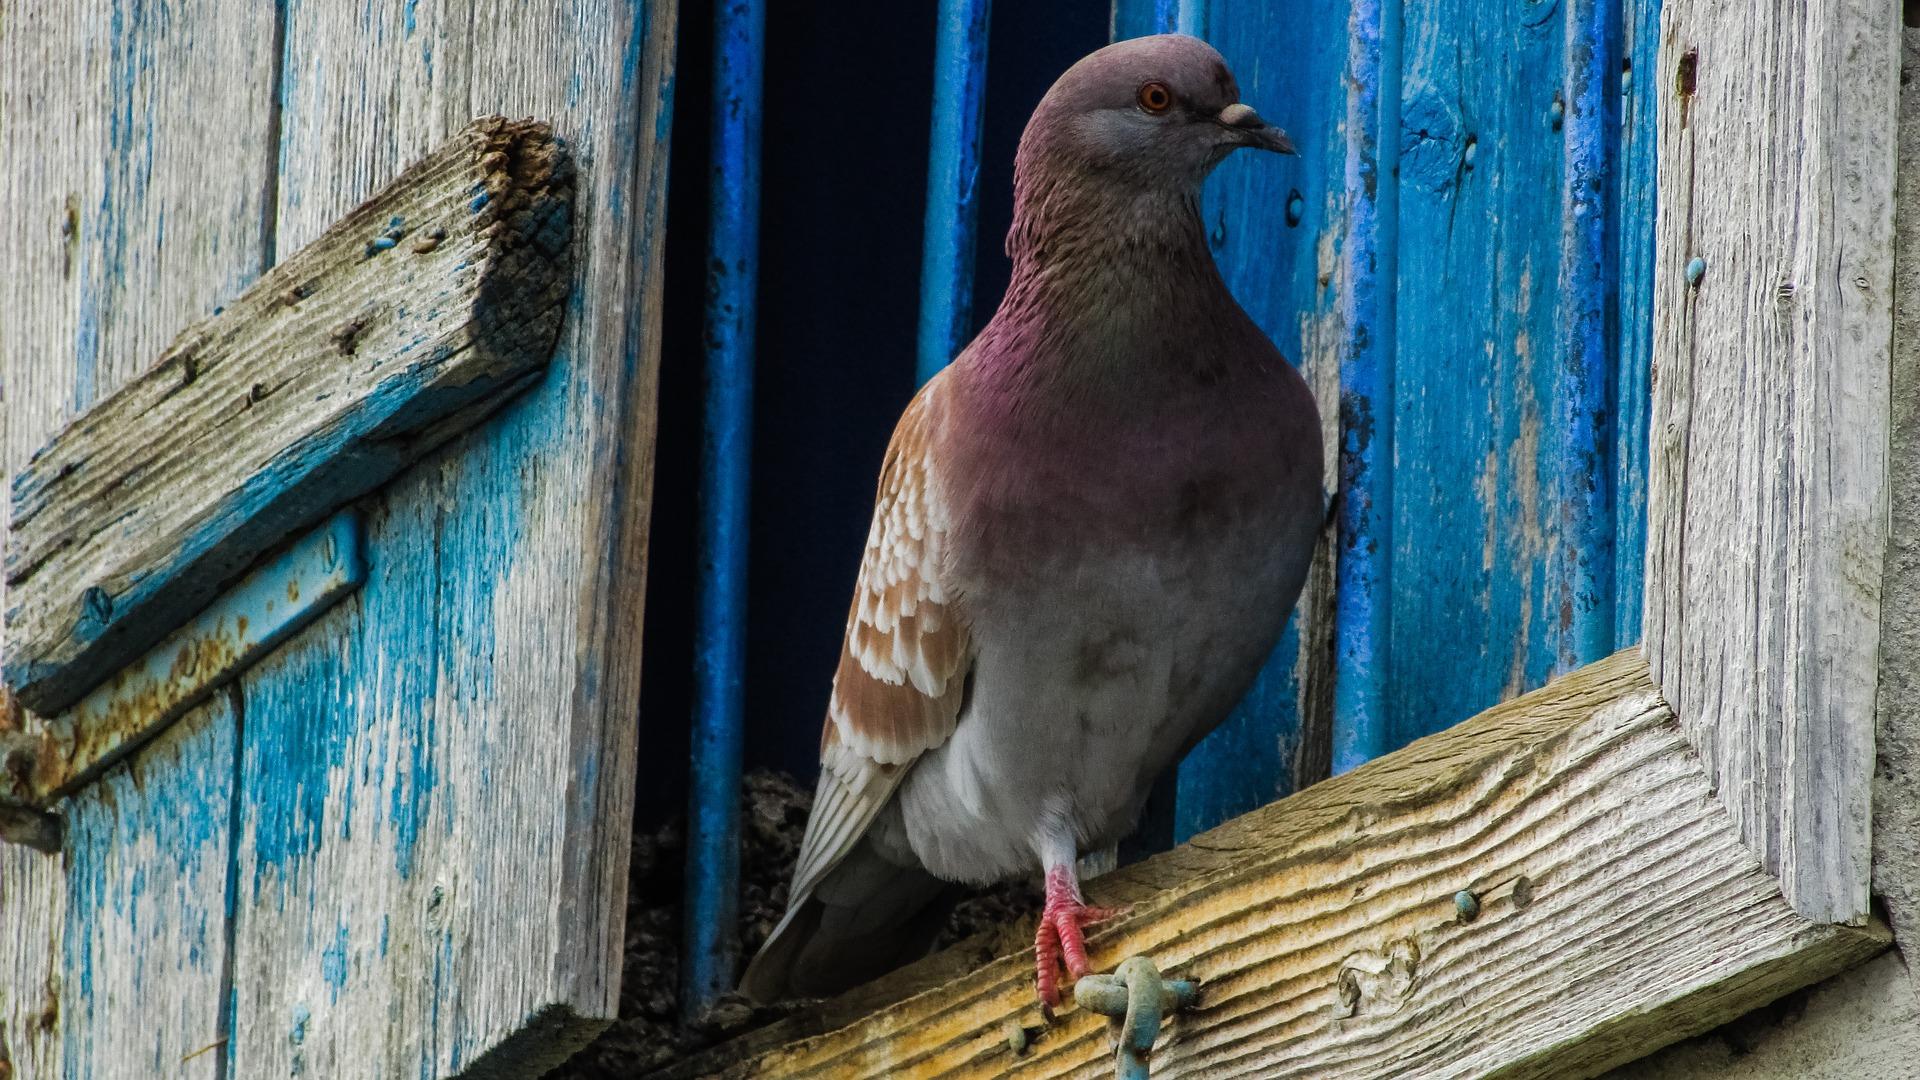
[1059,937]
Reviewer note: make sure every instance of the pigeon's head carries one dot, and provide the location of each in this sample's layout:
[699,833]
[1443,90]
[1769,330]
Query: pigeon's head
[1155,112]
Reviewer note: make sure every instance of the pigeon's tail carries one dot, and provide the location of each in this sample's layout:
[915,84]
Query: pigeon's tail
[868,916]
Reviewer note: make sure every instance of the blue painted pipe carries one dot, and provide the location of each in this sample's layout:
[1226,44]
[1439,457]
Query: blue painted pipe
[1583,601]
[953,181]
[1139,18]
[1363,601]
[713,819]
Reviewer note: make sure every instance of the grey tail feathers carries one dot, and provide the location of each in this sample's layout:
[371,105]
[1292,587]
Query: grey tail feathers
[866,917]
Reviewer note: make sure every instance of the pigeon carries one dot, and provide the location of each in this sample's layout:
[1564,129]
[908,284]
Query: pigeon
[1088,533]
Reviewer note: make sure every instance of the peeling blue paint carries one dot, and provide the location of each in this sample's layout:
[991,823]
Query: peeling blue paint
[333,963]
[1364,522]
[1451,555]
[146,875]
[1582,616]
[1633,209]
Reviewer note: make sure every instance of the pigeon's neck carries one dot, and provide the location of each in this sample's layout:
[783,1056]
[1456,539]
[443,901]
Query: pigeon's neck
[1113,289]
[1080,232]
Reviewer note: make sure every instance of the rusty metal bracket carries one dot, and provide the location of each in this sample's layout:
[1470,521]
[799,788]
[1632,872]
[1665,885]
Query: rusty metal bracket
[1134,999]
[43,760]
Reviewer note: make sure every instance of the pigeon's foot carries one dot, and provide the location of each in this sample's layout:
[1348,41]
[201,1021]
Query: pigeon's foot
[1059,939]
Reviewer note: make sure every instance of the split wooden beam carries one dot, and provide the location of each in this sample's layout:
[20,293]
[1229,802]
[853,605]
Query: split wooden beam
[1546,890]
[403,324]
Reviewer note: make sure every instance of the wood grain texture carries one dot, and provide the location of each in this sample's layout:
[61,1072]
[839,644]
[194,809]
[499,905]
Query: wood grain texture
[1767,496]
[437,776]
[330,374]
[33,911]
[138,211]
[1618,911]
[1860,1025]
[1896,781]
[146,931]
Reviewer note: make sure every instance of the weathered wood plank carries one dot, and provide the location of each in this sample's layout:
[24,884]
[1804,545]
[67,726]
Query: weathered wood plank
[437,776]
[1767,499]
[144,966]
[1861,1025]
[33,909]
[1617,912]
[1481,339]
[320,382]
[137,211]
[1896,781]
[266,607]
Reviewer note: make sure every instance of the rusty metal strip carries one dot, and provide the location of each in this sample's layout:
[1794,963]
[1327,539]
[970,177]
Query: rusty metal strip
[267,606]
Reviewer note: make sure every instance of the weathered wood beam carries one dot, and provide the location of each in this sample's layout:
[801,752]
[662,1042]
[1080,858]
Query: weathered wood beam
[1617,911]
[1896,792]
[1767,504]
[400,325]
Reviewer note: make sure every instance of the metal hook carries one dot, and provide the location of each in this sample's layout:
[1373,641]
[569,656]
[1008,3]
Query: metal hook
[1134,999]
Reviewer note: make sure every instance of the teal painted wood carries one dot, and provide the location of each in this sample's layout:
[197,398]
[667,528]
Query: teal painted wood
[436,784]
[143,989]
[132,217]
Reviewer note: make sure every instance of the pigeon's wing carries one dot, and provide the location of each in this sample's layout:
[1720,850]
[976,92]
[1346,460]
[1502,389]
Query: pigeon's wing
[903,663]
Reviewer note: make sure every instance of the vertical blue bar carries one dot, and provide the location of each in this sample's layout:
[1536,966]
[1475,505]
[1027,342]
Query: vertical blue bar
[1582,622]
[1364,549]
[953,176]
[1139,18]
[713,847]
[1634,210]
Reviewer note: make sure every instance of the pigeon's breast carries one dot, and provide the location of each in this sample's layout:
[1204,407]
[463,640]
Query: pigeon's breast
[1121,598]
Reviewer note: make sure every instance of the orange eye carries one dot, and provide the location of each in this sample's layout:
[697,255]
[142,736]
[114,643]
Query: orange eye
[1155,97]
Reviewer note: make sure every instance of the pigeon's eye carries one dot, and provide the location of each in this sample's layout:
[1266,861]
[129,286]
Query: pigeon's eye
[1155,97]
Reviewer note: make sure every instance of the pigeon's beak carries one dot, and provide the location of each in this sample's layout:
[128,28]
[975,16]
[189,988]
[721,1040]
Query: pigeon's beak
[1250,130]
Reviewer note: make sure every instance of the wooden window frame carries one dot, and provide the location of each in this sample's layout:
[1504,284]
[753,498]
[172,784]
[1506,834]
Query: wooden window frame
[1655,843]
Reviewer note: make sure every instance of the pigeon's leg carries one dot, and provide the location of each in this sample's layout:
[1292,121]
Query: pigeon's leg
[1059,938]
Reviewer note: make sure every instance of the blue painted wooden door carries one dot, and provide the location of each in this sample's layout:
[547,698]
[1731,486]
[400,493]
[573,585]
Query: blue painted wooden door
[394,847]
